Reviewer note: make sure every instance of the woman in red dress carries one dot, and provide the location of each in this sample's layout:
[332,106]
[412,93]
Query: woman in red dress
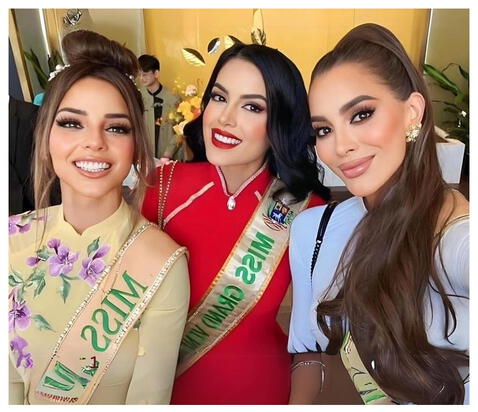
[233,213]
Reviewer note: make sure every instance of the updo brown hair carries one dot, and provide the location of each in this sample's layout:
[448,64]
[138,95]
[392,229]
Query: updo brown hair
[91,54]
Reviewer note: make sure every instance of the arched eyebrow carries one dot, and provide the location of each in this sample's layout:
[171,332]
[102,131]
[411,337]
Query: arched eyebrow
[72,110]
[84,113]
[346,107]
[243,96]
[355,101]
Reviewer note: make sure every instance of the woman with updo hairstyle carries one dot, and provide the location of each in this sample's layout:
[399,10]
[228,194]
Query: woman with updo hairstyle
[98,296]
[390,289]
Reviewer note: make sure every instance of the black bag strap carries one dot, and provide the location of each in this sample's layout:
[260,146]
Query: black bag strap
[321,232]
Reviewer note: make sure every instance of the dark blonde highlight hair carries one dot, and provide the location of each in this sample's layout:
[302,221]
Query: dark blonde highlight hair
[388,267]
[91,55]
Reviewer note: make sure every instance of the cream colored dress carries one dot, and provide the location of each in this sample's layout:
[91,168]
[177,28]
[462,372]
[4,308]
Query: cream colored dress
[50,275]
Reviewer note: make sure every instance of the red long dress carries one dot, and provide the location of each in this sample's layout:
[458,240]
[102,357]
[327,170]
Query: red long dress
[251,364]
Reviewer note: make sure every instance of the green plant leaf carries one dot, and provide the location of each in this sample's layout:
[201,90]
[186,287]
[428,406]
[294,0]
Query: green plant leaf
[452,109]
[447,104]
[54,60]
[193,57]
[93,246]
[41,323]
[41,76]
[441,79]
[464,73]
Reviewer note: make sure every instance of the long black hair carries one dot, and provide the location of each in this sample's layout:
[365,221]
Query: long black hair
[291,155]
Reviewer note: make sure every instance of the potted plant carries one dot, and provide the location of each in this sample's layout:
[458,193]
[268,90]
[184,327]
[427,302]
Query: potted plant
[458,126]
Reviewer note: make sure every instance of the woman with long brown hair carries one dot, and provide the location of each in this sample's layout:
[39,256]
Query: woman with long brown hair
[98,295]
[389,291]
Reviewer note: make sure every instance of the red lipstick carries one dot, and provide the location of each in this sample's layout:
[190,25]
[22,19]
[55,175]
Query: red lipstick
[224,140]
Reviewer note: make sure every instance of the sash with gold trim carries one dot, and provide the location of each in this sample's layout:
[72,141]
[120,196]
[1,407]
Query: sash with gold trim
[93,336]
[243,278]
[366,386]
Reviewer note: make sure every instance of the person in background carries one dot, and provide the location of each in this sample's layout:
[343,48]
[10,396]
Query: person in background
[98,296]
[21,124]
[390,289]
[159,102]
[233,212]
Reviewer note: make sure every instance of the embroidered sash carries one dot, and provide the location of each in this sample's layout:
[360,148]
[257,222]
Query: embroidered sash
[92,337]
[366,386]
[242,279]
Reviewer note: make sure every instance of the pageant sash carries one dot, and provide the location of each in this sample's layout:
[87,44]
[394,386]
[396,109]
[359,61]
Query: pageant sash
[366,386]
[242,279]
[93,336]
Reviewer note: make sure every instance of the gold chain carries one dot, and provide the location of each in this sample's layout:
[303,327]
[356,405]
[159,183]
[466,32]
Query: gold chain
[161,198]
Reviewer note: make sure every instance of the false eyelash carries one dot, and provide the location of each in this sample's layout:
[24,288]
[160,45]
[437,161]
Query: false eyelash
[364,108]
[126,129]
[62,121]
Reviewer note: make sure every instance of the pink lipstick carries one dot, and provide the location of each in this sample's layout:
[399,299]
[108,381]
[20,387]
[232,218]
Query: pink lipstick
[356,168]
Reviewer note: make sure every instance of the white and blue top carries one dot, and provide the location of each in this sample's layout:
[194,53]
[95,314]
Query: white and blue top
[305,335]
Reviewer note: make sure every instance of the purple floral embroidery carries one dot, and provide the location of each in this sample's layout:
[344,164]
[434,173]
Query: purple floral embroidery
[15,227]
[17,344]
[93,266]
[19,316]
[33,261]
[62,262]
[54,244]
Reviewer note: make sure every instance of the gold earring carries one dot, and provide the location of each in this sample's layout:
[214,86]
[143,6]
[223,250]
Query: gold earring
[413,132]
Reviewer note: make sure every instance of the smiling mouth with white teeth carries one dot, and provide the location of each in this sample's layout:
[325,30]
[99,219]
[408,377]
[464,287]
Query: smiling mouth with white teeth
[93,167]
[224,140]
[228,140]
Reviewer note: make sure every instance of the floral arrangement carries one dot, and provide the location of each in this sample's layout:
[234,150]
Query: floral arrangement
[188,108]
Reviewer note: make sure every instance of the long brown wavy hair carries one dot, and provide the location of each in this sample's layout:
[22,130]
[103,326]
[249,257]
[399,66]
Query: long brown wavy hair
[388,266]
[91,55]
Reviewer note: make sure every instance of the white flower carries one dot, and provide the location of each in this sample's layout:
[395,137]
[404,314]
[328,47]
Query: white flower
[191,90]
[58,69]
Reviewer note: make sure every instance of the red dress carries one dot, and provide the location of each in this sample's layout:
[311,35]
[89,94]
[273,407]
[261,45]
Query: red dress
[251,364]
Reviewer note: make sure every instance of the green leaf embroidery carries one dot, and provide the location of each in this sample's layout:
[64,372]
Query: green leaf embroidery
[65,289]
[41,323]
[20,293]
[13,280]
[37,274]
[43,253]
[93,246]
[40,285]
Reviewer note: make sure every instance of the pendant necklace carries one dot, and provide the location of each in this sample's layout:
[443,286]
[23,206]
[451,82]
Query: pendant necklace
[231,199]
